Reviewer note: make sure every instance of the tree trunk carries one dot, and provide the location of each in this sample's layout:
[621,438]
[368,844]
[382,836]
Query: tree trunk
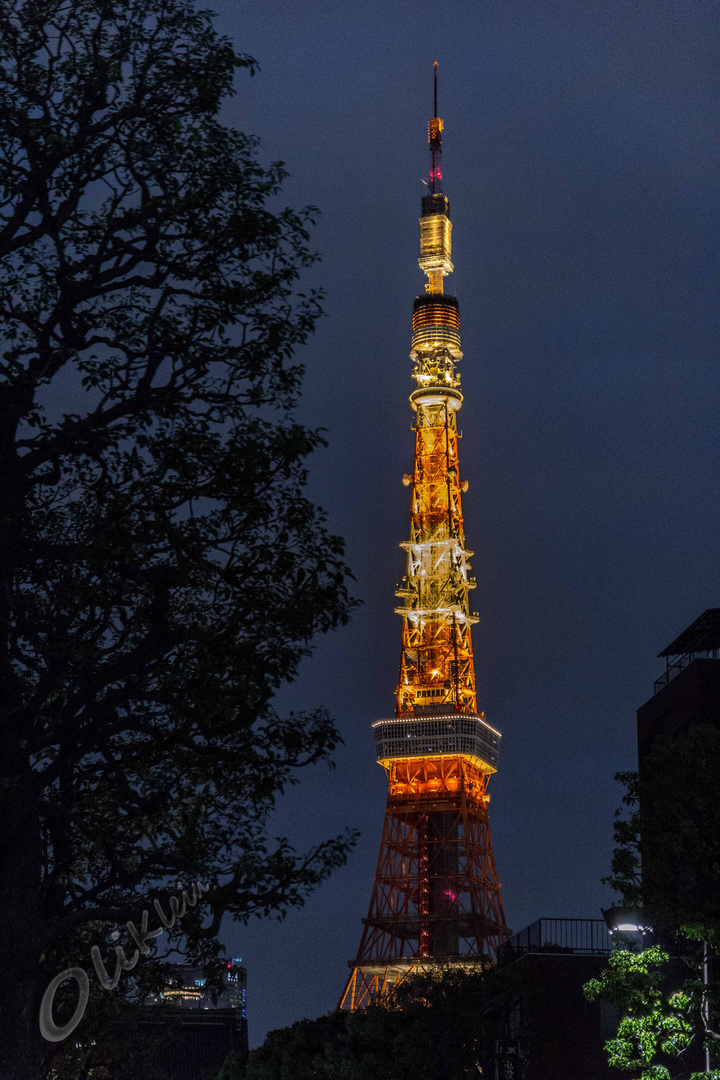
[22,1047]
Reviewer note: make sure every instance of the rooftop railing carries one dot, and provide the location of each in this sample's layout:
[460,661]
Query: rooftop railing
[676,664]
[585,937]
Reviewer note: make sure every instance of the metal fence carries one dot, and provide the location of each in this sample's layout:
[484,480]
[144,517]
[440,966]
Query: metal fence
[587,937]
[679,663]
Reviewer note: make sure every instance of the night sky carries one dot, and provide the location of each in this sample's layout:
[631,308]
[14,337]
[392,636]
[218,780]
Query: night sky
[581,165]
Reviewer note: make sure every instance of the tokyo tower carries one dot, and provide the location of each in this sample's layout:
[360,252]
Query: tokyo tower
[436,897]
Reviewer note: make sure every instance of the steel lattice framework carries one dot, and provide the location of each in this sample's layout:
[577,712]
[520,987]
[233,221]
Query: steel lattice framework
[436,897]
[436,665]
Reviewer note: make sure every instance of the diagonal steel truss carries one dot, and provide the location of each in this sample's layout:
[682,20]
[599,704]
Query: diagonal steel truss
[436,897]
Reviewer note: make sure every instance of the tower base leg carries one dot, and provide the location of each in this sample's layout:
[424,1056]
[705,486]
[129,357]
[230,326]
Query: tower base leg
[370,984]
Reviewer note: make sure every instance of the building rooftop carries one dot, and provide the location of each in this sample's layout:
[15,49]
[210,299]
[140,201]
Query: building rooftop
[700,639]
[701,636]
[582,937]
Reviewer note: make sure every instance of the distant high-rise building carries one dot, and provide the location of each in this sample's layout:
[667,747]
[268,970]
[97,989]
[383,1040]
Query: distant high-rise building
[186,989]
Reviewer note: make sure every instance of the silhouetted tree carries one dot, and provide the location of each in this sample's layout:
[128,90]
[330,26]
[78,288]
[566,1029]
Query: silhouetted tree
[161,572]
[439,1025]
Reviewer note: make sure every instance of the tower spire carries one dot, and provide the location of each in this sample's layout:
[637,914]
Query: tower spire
[435,225]
[436,898]
[435,126]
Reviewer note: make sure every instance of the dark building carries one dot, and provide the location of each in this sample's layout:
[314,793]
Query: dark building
[180,1033]
[168,1043]
[553,1032]
[687,696]
[688,691]
[686,699]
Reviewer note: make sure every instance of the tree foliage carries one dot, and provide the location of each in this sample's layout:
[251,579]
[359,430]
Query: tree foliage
[436,1026]
[161,571]
[652,1024]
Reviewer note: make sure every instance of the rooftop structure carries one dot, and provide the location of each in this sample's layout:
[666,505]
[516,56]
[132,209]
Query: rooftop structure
[688,691]
[579,937]
[700,639]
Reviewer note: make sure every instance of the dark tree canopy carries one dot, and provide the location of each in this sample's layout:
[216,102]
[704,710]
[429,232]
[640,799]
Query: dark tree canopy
[438,1025]
[161,571]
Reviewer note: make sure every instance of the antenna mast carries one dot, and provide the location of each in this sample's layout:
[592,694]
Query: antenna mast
[435,127]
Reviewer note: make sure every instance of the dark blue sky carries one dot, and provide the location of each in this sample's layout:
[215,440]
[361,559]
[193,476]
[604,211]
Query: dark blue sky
[580,158]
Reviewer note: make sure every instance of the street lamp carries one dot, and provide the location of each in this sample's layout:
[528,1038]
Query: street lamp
[631,922]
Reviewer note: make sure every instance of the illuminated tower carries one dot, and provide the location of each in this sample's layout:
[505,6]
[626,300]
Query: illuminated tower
[436,897]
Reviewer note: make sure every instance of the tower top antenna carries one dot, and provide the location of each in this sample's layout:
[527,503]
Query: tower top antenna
[435,126]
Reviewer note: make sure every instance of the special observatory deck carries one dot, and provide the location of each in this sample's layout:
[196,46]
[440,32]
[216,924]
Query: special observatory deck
[456,733]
